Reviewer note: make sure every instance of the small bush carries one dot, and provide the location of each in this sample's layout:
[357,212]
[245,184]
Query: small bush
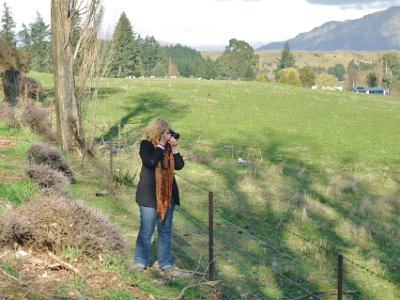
[30,87]
[54,222]
[32,114]
[47,154]
[46,177]
[36,116]
[7,114]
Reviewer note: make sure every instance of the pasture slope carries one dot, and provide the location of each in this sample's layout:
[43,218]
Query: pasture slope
[298,176]
[324,165]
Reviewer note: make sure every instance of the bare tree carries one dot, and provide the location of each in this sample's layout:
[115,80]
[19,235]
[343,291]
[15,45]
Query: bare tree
[71,54]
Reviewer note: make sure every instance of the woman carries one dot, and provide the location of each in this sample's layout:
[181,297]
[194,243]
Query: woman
[157,193]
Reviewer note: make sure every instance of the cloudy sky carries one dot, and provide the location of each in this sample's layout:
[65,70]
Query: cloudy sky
[209,24]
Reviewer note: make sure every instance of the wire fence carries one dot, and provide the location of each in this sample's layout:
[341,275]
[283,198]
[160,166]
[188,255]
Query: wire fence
[255,267]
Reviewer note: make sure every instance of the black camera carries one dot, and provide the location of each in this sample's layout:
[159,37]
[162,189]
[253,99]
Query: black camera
[174,134]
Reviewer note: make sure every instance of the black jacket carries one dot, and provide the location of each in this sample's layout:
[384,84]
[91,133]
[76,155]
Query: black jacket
[146,190]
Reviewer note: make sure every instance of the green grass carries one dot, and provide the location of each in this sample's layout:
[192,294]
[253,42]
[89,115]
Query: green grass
[322,165]
[14,186]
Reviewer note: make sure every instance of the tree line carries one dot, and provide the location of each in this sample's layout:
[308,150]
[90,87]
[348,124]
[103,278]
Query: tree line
[135,56]
[383,72]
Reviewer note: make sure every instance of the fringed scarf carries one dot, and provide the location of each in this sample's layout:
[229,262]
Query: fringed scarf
[164,178]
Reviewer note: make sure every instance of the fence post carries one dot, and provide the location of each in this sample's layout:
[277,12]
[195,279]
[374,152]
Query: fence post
[111,176]
[210,236]
[340,277]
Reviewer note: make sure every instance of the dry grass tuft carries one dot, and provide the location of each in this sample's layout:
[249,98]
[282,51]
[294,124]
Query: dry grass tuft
[7,114]
[45,153]
[31,114]
[47,177]
[53,222]
[340,184]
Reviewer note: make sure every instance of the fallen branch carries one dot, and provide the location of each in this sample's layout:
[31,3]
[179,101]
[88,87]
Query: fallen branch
[12,277]
[210,283]
[64,264]
[192,272]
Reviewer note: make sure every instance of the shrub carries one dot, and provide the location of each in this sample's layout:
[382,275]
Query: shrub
[31,114]
[289,76]
[45,153]
[326,80]
[37,117]
[54,222]
[47,177]
[261,78]
[7,114]
[30,87]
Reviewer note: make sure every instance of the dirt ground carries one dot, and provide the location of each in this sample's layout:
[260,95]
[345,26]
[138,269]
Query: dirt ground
[41,276]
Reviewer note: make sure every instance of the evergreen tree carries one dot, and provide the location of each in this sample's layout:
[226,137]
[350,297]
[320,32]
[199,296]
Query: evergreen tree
[160,70]
[210,71]
[287,60]
[150,55]
[35,40]
[338,71]
[189,62]
[126,57]
[372,79]
[7,25]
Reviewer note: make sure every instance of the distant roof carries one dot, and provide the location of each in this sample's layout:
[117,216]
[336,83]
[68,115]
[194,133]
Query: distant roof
[371,89]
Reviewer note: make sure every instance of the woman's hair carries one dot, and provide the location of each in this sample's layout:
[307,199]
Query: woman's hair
[155,129]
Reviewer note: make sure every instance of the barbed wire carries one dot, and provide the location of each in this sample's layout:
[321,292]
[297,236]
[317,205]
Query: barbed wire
[261,263]
[332,250]
[262,283]
[335,251]
[191,182]
[370,271]
[275,249]
[241,251]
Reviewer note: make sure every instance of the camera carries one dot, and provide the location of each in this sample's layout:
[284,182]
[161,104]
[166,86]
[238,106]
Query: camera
[174,134]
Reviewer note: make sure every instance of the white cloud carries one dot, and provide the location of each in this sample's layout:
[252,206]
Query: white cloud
[206,23]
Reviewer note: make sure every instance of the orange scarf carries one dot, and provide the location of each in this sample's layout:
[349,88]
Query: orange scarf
[164,174]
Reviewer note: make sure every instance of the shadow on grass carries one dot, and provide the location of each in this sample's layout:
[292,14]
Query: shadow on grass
[300,180]
[145,107]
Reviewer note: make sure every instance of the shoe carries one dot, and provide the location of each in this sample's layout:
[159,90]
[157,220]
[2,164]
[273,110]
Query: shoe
[168,268]
[139,267]
[171,271]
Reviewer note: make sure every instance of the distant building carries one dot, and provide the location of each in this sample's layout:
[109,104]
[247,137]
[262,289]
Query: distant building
[370,90]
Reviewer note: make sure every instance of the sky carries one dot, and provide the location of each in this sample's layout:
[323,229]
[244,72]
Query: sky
[210,24]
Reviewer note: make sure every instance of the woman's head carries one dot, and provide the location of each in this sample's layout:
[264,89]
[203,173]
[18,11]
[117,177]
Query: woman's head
[156,128]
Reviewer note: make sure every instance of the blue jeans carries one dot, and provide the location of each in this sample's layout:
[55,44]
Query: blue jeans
[148,220]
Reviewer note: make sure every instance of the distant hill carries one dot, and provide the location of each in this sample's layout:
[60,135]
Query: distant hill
[373,32]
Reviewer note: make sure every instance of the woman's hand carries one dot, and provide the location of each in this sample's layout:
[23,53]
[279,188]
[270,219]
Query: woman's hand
[164,138]
[174,144]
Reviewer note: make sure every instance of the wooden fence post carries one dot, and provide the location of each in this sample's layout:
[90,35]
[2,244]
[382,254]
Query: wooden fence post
[210,236]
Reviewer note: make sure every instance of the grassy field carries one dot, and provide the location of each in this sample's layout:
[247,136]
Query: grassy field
[298,176]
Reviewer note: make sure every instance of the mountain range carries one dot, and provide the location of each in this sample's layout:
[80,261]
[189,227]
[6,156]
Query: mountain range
[373,32]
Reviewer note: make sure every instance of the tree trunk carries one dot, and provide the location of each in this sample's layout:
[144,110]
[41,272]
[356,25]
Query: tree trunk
[69,119]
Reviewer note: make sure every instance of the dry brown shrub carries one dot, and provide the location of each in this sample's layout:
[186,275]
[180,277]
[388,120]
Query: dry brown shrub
[36,116]
[30,87]
[31,114]
[47,177]
[7,114]
[53,222]
[45,153]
